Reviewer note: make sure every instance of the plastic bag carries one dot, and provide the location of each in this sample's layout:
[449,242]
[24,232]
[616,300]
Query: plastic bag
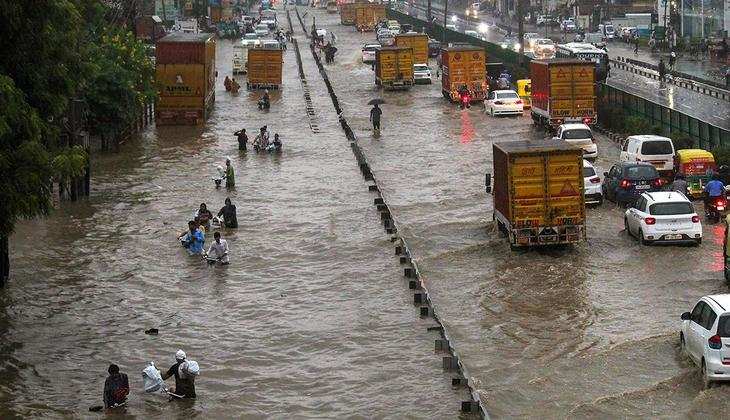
[189,368]
[152,379]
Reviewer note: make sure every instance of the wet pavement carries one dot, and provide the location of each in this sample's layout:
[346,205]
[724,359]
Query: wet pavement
[311,319]
[584,332]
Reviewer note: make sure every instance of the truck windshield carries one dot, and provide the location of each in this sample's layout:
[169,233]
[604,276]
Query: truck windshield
[671,209]
[640,172]
[656,147]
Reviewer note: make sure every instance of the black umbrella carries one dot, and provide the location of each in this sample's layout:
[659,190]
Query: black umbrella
[376,101]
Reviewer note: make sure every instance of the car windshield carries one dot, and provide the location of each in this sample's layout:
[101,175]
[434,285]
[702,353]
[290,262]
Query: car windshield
[576,134]
[656,147]
[507,95]
[370,48]
[251,36]
[420,68]
[588,171]
[544,42]
[640,172]
[670,209]
[262,26]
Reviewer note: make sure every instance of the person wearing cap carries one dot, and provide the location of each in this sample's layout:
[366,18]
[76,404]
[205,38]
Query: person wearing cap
[116,387]
[184,384]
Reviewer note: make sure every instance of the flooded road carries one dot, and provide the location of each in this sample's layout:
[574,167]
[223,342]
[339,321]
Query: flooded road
[590,331]
[311,319]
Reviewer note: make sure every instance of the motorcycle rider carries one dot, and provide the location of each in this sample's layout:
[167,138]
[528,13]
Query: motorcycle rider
[713,190]
[264,102]
[679,184]
[261,142]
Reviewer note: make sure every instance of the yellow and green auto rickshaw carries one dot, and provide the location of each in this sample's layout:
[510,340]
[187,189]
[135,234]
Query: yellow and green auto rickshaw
[524,89]
[697,166]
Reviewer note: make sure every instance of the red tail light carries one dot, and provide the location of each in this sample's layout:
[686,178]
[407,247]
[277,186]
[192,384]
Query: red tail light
[650,221]
[595,180]
[519,101]
[720,202]
[715,342]
[658,182]
[588,120]
[625,184]
[695,219]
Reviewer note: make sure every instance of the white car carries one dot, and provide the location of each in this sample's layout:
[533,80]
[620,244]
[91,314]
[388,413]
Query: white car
[544,48]
[475,34]
[368,52]
[705,337]
[579,135]
[386,39]
[529,40]
[270,22]
[503,102]
[321,32]
[568,25]
[663,216]
[421,73]
[592,192]
[250,40]
[261,30]
[394,29]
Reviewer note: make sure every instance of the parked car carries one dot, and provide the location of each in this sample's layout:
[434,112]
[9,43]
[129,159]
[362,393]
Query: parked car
[657,150]
[368,52]
[664,216]
[503,102]
[261,30]
[607,30]
[568,25]
[421,73]
[592,192]
[705,337]
[579,135]
[626,181]
[544,48]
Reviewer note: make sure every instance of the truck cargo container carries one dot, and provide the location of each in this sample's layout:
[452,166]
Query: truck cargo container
[264,68]
[149,28]
[185,75]
[394,67]
[538,192]
[417,42]
[347,13]
[463,65]
[367,16]
[563,91]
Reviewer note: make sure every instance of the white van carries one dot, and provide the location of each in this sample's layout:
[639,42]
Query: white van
[657,150]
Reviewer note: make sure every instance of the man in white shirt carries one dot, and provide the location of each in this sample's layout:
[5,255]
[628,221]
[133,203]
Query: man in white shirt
[218,250]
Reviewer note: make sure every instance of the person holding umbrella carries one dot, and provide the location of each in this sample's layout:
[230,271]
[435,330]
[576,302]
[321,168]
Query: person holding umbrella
[375,114]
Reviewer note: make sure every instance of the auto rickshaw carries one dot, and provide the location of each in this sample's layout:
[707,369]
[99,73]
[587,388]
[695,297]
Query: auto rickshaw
[697,166]
[524,89]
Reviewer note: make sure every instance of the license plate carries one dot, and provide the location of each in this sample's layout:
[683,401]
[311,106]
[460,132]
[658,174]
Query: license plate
[642,187]
[672,237]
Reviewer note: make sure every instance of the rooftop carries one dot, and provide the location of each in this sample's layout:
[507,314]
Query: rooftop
[526,146]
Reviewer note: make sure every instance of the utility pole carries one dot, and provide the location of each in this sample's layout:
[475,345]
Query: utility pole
[164,13]
[521,29]
[446,13]
[428,12]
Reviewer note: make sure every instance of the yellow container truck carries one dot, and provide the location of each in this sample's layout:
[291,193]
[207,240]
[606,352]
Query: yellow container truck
[417,42]
[394,67]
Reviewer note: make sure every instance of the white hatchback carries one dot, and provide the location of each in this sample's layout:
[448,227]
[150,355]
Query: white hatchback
[664,216]
[421,73]
[592,192]
[579,135]
[705,337]
[368,52]
[503,102]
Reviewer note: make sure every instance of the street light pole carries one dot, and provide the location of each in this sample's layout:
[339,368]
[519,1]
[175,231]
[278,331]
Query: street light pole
[446,13]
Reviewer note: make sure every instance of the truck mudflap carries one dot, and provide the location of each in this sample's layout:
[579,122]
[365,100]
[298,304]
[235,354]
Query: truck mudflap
[547,235]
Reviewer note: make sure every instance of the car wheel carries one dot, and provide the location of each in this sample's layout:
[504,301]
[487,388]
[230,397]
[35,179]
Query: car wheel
[698,242]
[706,381]
[600,201]
[641,238]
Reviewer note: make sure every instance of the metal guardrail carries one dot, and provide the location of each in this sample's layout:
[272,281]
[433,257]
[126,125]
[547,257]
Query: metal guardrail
[707,136]
[679,74]
[676,78]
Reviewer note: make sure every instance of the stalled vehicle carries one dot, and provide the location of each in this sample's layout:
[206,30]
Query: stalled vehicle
[394,68]
[663,216]
[697,166]
[544,48]
[422,74]
[538,192]
[591,184]
[563,91]
[434,48]
[368,52]
[705,337]
[503,102]
[463,73]
[626,181]
[524,89]
[417,42]
[261,30]
[579,135]
[656,150]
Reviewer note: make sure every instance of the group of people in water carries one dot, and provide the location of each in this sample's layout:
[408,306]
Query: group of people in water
[231,85]
[261,143]
[116,386]
[193,239]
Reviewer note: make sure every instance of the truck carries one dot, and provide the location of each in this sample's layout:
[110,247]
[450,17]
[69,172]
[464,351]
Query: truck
[264,68]
[185,76]
[240,58]
[394,67]
[347,13]
[563,91]
[463,70]
[419,44]
[367,16]
[538,192]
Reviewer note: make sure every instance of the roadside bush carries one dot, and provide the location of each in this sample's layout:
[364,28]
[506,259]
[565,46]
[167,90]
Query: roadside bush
[637,125]
[682,141]
[722,155]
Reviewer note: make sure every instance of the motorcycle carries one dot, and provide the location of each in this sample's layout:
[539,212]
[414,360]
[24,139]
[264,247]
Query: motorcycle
[465,100]
[715,207]
[264,105]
